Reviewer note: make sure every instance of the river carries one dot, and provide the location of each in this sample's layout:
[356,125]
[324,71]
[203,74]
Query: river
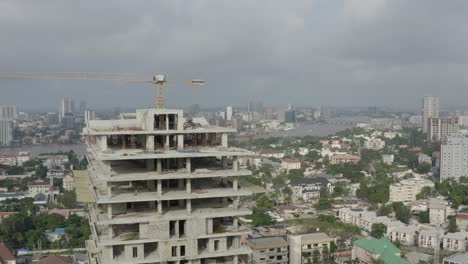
[35,150]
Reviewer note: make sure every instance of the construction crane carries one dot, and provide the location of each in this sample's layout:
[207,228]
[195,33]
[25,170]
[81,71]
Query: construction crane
[157,80]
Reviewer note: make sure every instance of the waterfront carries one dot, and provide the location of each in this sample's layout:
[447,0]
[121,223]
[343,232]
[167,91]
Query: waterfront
[35,150]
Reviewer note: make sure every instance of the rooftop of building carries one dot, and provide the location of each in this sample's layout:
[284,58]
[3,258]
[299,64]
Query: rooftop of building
[389,258]
[54,259]
[309,180]
[458,258]
[267,242]
[314,238]
[461,235]
[377,246]
[6,253]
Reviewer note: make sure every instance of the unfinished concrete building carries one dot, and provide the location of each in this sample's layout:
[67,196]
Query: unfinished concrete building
[166,190]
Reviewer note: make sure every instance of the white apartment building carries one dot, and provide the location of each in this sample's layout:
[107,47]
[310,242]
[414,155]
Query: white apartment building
[440,128]
[406,190]
[6,133]
[454,158]
[303,245]
[430,108]
[374,144]
[388,159]
[365,219]
[39,186]
[269,250]
[8,112]
[290,164]
[438,211]
[166,190]
[346,158]
[68,182]
[455,241]
[406,235]
[430,238]
[424,158]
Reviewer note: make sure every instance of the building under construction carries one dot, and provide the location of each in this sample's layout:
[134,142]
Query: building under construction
[165,190]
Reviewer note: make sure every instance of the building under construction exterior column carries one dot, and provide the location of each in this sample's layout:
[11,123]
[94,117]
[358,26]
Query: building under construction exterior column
[166,190]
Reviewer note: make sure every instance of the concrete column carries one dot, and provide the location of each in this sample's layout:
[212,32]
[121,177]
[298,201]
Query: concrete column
[167,122]
[188,165]
[235,183]
[109,190]
[159,166]
[150,164]
[177,229]
[189,206]
[235,223]
[166,144]
[224,140]
[188,185]
[124,142]
[235,163]
[236,203]
[180,141]
[159,187]
[103,141]
[150,142]
[160,207]
[111,232]
[111,253]
[109,211]
[235,259]
[209,225]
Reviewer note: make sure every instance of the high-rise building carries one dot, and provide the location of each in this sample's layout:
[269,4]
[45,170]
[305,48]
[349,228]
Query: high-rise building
[228,113]
[52,118]
[166,190]
[8,112]
[439,128]
[6,133]
[83,106]
[430,108]
[67,108]
[454,158]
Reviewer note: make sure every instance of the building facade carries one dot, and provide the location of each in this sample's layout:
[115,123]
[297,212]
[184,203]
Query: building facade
[166,191]
[454,158]
[269,250]
[430,108]
[302,246]
[406,190]
[6,133]
[440,128]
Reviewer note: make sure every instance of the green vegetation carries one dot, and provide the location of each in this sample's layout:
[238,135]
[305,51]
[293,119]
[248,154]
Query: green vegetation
[452,225]
[67,200]
[456,193]
[424,167]
[260,217]
[402,212]
[378,230]
[23,230]
[423,217]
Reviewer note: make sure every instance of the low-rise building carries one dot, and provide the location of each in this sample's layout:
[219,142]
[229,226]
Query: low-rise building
[455,241]
[302,246]
[346,158]
[405,235]
[462,220]
[388,159]
[69,182]
[7,255]
[374,144]
[271,153]
[5,215]
[308,189]
[460,258]
[424,158]
[269,250]
[8,160]
[429,238]
[39,186]
[406,190]
[438,211]
[369,250]
[290,164]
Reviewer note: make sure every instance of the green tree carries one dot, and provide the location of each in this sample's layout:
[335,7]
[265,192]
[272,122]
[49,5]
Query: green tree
[264,203]
[452,225]
[424,167]
[385,210]
[426,192]
[67,199]
[260,217]
[378,230]
[324,203]
[423,217]
[326,256]
[402,212]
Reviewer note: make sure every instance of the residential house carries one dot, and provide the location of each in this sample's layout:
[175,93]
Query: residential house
[269,250]
[4,215]
[460,258]
[271,153]
[406,235]
[308,189]
[406,190]
[8,160]
[302,246]
[55,235]
[7,255]
[369,250]
[429,238]
[455,241]
[388,159]
[69,182]
[290,164]
[39,186]
[374,144]
[438,211]
[462,220]
[346,158]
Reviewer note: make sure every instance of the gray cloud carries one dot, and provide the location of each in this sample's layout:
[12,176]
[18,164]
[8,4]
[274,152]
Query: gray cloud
[353,52]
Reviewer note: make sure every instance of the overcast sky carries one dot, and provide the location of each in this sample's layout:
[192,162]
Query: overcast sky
[309,53]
